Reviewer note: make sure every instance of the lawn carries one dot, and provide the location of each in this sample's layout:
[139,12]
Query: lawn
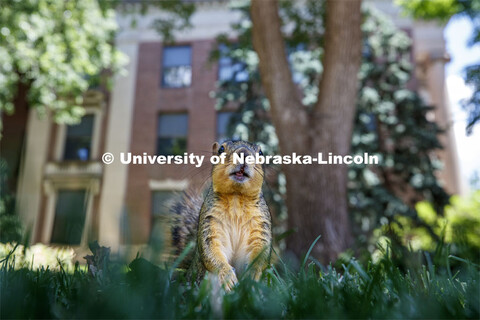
[141,289]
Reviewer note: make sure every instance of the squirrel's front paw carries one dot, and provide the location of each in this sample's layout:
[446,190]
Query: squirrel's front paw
[227,278]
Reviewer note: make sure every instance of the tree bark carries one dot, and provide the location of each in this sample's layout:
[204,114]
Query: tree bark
[317,194]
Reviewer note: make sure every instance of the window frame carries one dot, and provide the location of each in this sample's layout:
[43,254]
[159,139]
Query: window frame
[85,209]
[92,189]
[61,140]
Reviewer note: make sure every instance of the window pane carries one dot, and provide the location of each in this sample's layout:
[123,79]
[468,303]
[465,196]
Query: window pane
[177,69]
[295,56]
[369,120]
[172,134]
[225,71]
[223,120]
[79,140]
[228,69]
[171,146]
[177,77]
[83,128]
[173,125]
[235,71]
[176,56]
[70,214]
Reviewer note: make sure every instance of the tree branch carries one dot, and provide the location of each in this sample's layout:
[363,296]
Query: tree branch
[286,107]
[343,45]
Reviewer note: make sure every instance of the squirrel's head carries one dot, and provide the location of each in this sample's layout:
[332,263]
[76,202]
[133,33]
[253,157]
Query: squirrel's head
[231,177]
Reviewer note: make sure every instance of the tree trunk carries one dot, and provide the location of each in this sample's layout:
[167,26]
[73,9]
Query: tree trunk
[316,194]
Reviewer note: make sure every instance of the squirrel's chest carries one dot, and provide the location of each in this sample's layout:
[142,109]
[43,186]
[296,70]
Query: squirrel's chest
[240,220]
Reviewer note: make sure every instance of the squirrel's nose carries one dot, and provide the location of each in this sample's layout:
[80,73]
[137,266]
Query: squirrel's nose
[244,151]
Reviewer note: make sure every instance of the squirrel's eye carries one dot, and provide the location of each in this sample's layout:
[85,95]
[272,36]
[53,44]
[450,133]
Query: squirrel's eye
[260,152]
[221,150]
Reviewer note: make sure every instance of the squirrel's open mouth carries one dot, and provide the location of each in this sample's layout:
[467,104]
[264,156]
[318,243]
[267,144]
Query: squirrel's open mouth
[240,175]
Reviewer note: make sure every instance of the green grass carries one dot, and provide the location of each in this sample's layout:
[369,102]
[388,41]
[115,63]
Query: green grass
[143,290]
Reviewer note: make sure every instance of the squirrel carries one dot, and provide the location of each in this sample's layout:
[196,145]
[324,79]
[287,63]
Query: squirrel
[232,225]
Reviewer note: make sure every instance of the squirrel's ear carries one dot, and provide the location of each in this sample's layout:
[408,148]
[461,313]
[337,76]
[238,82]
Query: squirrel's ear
[215,148]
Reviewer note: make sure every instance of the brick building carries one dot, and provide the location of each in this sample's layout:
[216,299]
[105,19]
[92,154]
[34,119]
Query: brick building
[162,106]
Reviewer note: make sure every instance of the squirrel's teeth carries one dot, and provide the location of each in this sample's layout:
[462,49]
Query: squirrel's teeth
[241,173]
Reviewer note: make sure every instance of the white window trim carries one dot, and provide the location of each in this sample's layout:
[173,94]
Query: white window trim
[168,185]
[91,187]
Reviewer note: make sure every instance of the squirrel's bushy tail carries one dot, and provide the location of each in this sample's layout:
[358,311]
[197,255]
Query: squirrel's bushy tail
[185,210]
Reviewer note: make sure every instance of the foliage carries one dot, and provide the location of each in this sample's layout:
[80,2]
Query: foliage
[431,9]
[391,120]
[458,228]
[143,290]
[392,123]
[175,15]
[472,105]
[55,49]
[10,226]
[443,10]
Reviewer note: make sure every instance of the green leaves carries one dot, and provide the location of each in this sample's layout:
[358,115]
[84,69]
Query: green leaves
[54,48]
[143,290]
[431,9]
[472,105]
[443,10]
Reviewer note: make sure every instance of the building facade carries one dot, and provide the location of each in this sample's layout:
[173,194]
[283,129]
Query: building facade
[67,195]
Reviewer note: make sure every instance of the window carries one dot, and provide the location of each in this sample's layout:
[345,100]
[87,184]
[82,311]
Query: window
[172,134]
[78,142]
[223,122]
[231,69]
[177,67]
[70,212]
[369,121]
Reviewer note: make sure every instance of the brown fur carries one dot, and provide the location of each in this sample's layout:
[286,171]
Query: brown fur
[234,223]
